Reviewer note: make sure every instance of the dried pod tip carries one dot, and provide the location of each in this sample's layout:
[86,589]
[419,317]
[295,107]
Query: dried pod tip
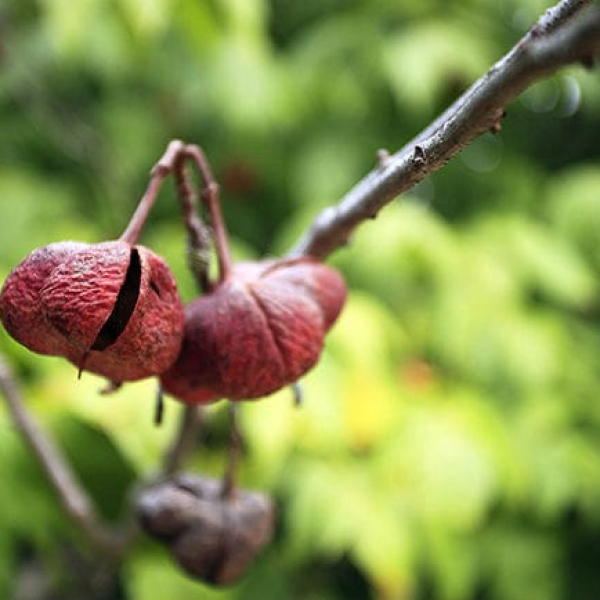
[110,308]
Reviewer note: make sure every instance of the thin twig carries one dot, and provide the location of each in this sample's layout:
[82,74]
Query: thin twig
[72,495]
[157,177]
[184,441]
[559,38]
[210,196]
[555,16]
[235,447]
[199,238]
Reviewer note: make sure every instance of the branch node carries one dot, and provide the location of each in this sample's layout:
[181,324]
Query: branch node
[497,126]
[383,158]
[419,157]
[166,163]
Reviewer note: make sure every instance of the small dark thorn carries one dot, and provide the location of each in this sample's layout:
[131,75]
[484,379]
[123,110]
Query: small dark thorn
[82,365]
[497,126]
[419,156]
[159,408]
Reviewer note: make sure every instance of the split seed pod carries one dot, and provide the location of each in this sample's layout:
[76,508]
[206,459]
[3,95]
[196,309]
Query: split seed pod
[110,308]
[213,537]
[258,330]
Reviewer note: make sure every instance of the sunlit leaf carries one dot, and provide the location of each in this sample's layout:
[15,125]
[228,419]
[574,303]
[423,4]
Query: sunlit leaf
[544,261]
[152,576]
[574,207]
[126,416]
[445,55]
[524,565]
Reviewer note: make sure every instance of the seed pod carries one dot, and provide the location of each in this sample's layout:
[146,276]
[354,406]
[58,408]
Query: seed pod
[260,329]
[213,537]
[110,308]
[20,299]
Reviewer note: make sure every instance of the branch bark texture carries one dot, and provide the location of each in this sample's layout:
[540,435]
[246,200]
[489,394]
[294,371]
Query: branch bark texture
[566,34]
[71,494]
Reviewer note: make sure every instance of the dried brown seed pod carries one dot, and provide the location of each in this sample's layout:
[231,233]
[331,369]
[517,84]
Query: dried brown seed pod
[214,537]
[258,330]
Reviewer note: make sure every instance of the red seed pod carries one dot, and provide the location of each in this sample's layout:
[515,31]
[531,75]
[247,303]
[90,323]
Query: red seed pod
[258,330]
[20,299]
[110,308]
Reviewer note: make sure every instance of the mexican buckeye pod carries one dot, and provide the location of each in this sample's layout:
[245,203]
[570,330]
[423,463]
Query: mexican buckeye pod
[111,308]
[259,329]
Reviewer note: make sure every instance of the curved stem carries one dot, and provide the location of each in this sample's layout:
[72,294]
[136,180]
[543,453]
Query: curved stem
[210,196]
[138,219]
[199,238]
[73,497]
[159,172]
[185,440]
[235,447]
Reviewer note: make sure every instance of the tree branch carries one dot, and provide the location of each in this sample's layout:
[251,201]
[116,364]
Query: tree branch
[559,38]
[72,496]
[184,441]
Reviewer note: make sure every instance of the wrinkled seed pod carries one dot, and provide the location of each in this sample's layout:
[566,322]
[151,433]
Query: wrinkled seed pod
[20,299]
[324,284]
[259,330]
[215,539]
[110,308]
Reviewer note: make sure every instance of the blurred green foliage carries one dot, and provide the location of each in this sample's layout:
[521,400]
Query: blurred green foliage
[449,444]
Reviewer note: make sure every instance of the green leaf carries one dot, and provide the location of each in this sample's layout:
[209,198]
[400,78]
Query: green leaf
[28,507]
[542,260]
[152,575]
[447,461]
[40,211]
[370,526]
[425,58]
[125,416]
[574,208]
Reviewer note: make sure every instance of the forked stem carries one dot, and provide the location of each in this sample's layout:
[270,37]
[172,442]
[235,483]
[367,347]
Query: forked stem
[235,447]
[211,199]
[172,161]
[199,237]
